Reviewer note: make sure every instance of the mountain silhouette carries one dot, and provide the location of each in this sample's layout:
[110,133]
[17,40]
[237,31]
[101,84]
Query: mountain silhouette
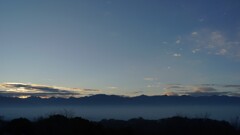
[102,99]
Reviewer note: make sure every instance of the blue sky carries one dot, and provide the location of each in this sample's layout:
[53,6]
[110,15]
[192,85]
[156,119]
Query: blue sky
[126,47]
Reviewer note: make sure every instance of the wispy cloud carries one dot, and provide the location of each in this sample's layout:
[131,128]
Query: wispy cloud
[173,86]
[178,41]
[195,50]
[221,52]
[177,55]
[149,79]
[112,87]
[21,89]
[194,33]
[232,86]
[215,43]
[154,86]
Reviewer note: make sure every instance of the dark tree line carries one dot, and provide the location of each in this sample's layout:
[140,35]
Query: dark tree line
[62,125]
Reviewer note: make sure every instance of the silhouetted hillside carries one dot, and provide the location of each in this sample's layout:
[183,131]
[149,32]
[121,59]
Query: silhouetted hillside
[102,99]
[61,125]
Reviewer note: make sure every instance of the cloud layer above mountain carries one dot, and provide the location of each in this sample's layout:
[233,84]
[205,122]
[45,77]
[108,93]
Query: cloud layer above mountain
[27,90]
[202,90]
[23,90]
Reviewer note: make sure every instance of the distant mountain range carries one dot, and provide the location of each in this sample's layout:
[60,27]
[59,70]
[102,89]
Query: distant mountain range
[102,99]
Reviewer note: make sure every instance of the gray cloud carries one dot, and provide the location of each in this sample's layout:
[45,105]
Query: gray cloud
[91,90]
[201,90]
[207,93]
[20,89]
[208,85]
[47,89]
[174,87]
[235,94]
[232,86]
[19,94]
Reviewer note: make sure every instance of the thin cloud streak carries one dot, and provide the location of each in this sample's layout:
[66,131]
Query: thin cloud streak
[232,86]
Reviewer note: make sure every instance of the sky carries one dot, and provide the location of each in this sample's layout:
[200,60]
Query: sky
[123,47]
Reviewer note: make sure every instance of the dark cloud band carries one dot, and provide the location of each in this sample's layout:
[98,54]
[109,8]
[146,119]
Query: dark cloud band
[19,89]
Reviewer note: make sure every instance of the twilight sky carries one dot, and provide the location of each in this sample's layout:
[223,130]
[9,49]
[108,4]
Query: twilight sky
[126,47]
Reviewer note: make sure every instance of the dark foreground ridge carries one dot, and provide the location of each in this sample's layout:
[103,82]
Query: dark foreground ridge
[62,125]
